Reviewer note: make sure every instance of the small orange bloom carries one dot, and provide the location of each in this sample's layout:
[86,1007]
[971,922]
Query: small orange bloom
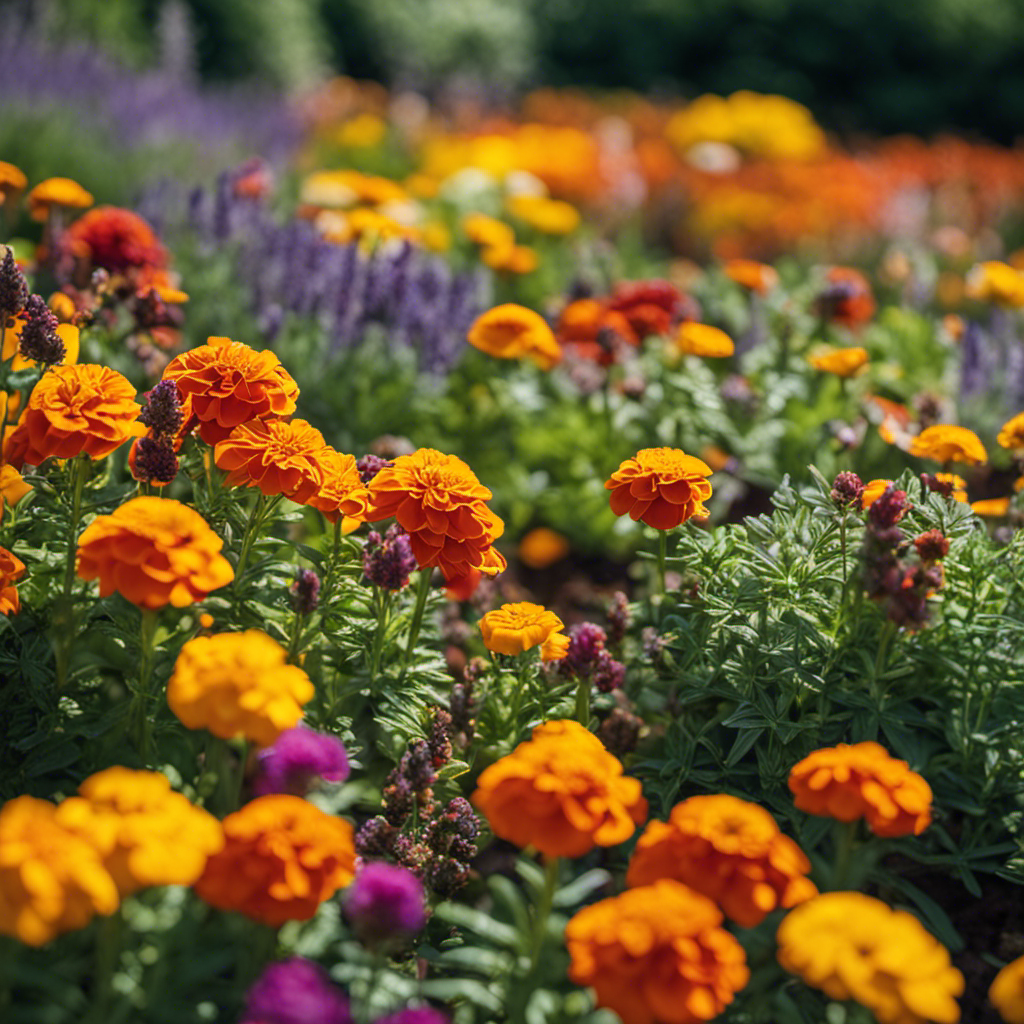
[12,569]
[57,192]
[862,781]
[115,239]
[343,492]
[846,298]
[75,409]
[515,332]
[230,383]
[956,482]
[487,232]
[560,792]
[873,490]
[1012,434]
[1007,992]
[153,551]
[282,858]
[754,276]
[516,628]
[995,508]
[694,339]
[657,955]
[11,180]
[948,443]
[662,487]
[520,259]
[12,487]
[728,850]
[996,282]
[548,216]
[843,362]
[542,547]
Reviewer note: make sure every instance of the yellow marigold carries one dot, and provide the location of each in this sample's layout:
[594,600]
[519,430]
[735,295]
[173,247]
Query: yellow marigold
[542,547]
[516,628]
[948,443]
[281,859]
[153,551]
[440,503]
[728,850]
[754,276]
[843,362]
[487,232]
[57,192]
[230,383]
[12,569]
[694,339]
[863,781]
[993,281]
[147,834]
[343,492]
[51,880]
[548,216]
[1012,433]
[873,490]
[515,332]
[560,792]
[73,410]
[852,946]
[662,487]
[956,482]
[277,456]
[657,955]
[11,180]
[348,188]
[519,259]
[238,684]
[12,486]
[991,507]
[1007,992]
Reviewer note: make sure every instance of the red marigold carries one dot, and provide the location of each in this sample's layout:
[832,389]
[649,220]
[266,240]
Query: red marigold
[846,298]
[12,569]
[651,307]
[115,239]
[662,487]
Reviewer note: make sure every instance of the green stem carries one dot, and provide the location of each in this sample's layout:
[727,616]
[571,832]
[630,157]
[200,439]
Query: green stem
[543,911]
[140,702]
[422,594]
[108,956]
[220,761]
[583,687]
[845,834]
[64,618]
[884,642]
[382,598]
[293,646]
[662,556]
[523,668]
[842,544]
[251,529]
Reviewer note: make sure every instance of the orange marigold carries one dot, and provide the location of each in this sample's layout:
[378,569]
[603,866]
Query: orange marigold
[846,298]
[238,684]
[863,781]
[560,792]
[694,339]
[991,507]
[996,282]
[12,485]
[662,487]
[1012,433]
[515,332]
[115,239]
[843,362]
[542,547]
[51,880]
[12,569]
[57,192]
[757,277]
[516,628]
[343,492]
[873,490]
[281,859]
[948,443]
[12,179]
[147,834]
[153,551]
[230,384]
[730,851]
[549,216]
[1007,992]
[439,502]
[73,410]
[277,456]
[657,955]
[852,946]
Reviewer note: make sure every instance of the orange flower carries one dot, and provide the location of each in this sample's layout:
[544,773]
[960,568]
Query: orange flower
[730,851]
[542,547]
[873,490]
[51,880]
[956,482]
[695,339]
[12,569]
[852,946]
[153,551]
[147,834]
[843,362]
[846,298]
[996,282]
[282,858]
[73,410]
[662,487]
[230,384]
[439,502]
[57,192]
[549,216]
[11,180]
[1007,992]
[277,456]
[947,443]
[487,232]
[754,276]
[343,492]
[991,507]
[520,259]
[657,955]
[515,332]
[862,781]
[517,628]
[238,684]
[115,239]
[651,307]
[1012,434]
[12,487]
[560,792]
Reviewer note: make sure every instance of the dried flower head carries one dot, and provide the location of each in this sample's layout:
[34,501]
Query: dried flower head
[163,414]
[847,490]
[388,561]
[13,288]
[305,592]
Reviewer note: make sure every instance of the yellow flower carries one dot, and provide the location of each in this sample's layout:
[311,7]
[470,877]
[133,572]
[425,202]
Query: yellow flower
[487,232]
[843,362]
[956,482]
[361,132]
[992,507]
[948,443]
[548,216]
[510,331]
[12,487]
[1007,992]
[57,192]
[516,628]
[1012,434]
[993,281]
[695,339]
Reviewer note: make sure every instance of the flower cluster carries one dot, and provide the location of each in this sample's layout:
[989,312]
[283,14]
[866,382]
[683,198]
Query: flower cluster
[587,657]
[388,561]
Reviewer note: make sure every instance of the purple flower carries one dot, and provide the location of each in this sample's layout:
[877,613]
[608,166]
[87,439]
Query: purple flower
[155,461]
[385,902]
[295,991]
[39,339]
[13,288]
[298,758]
[415,1015]
[388,561]
[163,413]
[305,592]
[370,465]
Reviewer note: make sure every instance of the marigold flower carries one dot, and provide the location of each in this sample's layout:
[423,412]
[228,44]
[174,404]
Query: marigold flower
[657,955]
[694,339]
[238,684]
[230,383]
[12,179]
[74,410]
[754,276]
[873,490]
[515,332]
[281,859]
[728,850]
[991,507]
[852,946]
[952,485]
[548,216]
[996,282]
[863,781]
[843,362]
[487,232]
[948,443]
[520,259]
[542,547]
[12,487]
[115,239]
[1007,992]
[662,487]
[439,502]
[846,298]
[1012,433]
[12,569]
[651,307]
[517,628]
[146,833]
[153,551]
[57,192]
[342,492]
[51,880]
[561,792]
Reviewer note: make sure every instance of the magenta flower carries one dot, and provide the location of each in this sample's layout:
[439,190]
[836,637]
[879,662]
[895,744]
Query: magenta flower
[385,902]
[295,991]
[297,760]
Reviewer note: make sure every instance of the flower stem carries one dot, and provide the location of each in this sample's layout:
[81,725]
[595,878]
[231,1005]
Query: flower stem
[543,911]
[382,598]
[845,839]
[662,556]
[108,956]
[64,617]
[251,529]
[422,594]
[583,687]
[140,702]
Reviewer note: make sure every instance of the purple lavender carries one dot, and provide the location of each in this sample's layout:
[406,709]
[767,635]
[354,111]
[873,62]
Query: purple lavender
[305,592]
[388,562]
[376,838]
[154,461]
[163,414]
[295,991]
[370,465]
[618,619]
[39,339]
[588,658]
[385,903]
[297,759]
[415,1015]
[13,288]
